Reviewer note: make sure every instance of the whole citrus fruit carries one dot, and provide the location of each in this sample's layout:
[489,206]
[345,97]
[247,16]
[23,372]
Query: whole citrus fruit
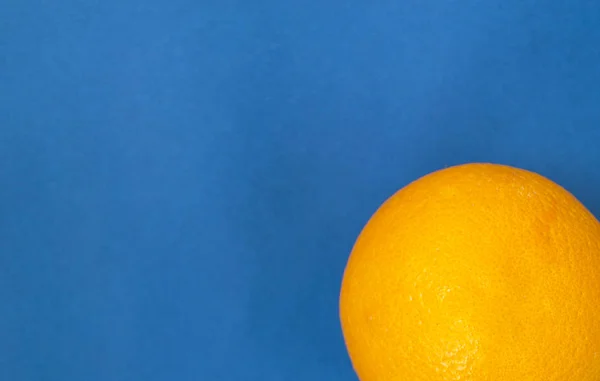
[475,272]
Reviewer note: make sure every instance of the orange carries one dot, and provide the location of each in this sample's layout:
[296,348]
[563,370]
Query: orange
[475,272]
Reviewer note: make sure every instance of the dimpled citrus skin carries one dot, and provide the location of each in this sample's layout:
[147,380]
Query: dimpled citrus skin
[475,272]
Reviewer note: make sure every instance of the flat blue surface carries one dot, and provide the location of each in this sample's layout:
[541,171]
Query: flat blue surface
[181,181]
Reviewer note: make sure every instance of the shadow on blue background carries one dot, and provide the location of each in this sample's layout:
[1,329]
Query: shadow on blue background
[181,182]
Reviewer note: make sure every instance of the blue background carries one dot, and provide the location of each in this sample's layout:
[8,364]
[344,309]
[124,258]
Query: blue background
[181,181]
